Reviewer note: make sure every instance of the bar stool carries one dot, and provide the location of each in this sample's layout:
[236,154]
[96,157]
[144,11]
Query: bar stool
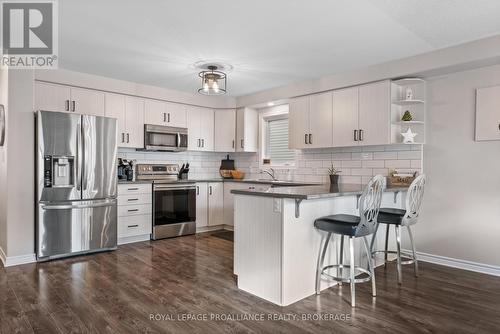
[398,218]
[353,227]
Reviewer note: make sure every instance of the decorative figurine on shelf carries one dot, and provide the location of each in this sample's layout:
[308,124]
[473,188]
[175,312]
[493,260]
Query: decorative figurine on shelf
[409,136]
[334,174]
[409,93]
[407,117]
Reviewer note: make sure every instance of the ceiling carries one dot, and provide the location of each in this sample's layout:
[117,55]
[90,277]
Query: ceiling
[269,43]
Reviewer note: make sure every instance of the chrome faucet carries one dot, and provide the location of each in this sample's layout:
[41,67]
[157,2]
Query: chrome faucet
[271,173]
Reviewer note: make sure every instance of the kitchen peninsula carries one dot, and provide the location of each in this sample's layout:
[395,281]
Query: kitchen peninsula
[276,245]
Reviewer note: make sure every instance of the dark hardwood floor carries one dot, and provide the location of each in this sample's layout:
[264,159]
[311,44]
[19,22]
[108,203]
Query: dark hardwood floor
[118,292]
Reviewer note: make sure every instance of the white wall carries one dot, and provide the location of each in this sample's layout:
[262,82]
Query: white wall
[461,213]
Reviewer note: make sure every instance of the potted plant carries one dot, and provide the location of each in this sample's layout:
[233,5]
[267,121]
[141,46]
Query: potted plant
[334,174]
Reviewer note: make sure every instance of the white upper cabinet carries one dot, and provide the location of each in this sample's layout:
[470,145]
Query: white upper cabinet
[129,112]
[310,121]
[345,117]
[155,112]
[115,108]
[361,115]
[52,97]
[247,130]
[200,124]
[176,115]
[62,98]
[165,113]
[488,113]
[375,113]
[298,122]
[87,101]
[320,120]
[225,130]
[134,122]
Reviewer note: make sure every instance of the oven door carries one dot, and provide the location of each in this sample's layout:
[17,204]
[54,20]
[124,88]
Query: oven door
[174,204]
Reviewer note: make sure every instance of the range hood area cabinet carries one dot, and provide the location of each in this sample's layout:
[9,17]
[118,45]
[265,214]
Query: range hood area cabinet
[129,112]
[247,130]
[200,124]
[61,98]
[165,113]
[352,116]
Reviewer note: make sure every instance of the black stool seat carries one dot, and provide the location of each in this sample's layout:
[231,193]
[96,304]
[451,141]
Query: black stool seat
[338,224]
[391,216]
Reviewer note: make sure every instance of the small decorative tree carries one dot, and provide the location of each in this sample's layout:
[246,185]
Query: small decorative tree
[334,174]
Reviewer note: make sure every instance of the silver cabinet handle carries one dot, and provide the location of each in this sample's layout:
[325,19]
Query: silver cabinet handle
[168,117]
[164,117]
[130,226]
[128,138]
[132,210]
[310,138]
[241,144]
[73,105]
[199,143]
[361,135]
[210,190]
[203,143]
[355,135]
[305,139]
[233,139]
[197,190]
[132,199]
[66,104]
[132,189]
[123,137]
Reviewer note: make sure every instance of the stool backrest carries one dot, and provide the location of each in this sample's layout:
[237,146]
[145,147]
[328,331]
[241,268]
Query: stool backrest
[414,199]
[369,205]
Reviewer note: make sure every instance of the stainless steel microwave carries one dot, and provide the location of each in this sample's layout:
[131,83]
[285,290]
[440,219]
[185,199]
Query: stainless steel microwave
[165,138]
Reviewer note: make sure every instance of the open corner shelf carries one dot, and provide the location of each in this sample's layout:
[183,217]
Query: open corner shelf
[408,81]
[407,102]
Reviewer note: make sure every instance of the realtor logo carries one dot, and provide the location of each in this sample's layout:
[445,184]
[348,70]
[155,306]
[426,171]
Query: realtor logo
[29,38]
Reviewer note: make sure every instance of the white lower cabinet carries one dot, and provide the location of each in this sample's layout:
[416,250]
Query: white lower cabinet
[209,205]
[229,198]
[134,212]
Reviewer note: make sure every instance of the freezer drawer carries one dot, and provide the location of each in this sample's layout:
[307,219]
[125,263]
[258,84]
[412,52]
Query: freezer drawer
[73,228]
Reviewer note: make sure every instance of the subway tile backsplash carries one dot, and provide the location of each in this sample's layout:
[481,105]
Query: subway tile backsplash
[358,164]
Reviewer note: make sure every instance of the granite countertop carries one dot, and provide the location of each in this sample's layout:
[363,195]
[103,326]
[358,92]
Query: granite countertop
[270,182]
[311,192]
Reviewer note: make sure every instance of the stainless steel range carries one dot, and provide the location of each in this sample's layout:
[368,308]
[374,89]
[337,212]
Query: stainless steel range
[174,201]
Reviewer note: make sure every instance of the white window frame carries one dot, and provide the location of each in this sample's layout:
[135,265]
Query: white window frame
[265,115]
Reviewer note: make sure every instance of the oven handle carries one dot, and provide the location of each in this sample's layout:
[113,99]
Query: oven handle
[177,187]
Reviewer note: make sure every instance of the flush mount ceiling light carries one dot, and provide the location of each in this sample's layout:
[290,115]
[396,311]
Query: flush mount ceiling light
[213,82]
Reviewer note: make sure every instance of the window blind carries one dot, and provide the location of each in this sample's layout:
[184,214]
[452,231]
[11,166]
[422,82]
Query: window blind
[277,142]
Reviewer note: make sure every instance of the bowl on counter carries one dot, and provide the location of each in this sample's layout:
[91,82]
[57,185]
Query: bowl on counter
[226,173]
[237,174]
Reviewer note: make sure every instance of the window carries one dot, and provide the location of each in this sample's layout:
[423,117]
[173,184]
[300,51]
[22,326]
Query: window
[274,135]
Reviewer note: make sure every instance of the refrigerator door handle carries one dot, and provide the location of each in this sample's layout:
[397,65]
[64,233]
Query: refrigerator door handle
[79,156]
[84,154]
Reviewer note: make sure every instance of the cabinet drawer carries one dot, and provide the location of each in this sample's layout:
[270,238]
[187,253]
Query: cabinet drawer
[134,210]
[131,189]
[134,199]
[134,225]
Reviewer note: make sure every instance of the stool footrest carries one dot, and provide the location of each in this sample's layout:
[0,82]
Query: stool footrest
[357,271]
[403,255]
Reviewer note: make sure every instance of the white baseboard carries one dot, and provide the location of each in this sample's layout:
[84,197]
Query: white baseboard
[135,238]
[229,227]
[16,260]
[456,263]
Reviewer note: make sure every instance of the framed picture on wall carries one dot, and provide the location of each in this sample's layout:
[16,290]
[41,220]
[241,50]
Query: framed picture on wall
[2,124]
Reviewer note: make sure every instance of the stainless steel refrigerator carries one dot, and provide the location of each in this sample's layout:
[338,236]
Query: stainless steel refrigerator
[76,184]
